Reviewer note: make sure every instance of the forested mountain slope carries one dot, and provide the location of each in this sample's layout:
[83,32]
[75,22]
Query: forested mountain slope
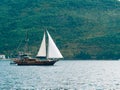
[82,29]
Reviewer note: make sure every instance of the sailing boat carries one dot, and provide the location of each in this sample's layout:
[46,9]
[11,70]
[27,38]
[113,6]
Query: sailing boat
[48,51]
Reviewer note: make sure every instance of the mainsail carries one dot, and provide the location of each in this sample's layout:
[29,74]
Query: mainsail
[42,50]
[53,51]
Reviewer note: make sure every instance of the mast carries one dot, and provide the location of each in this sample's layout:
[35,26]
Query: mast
[26,42]
[25,49]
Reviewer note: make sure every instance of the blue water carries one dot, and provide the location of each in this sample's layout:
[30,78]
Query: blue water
[64,75]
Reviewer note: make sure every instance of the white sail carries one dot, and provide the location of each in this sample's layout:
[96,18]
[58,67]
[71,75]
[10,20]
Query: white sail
[53,51]
[42,50]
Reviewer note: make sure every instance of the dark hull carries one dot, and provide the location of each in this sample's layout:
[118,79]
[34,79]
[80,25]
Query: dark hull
[35,62]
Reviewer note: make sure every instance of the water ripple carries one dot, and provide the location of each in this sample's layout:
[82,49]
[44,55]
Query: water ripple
[65,75]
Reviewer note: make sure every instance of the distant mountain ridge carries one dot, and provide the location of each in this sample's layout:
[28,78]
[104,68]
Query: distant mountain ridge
[82,29]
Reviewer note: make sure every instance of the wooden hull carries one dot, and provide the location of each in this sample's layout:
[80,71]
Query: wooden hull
[35,62]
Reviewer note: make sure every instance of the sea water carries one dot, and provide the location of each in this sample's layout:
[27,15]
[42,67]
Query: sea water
[64,75]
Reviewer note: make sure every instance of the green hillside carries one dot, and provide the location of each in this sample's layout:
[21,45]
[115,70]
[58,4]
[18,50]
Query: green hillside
[82,29]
